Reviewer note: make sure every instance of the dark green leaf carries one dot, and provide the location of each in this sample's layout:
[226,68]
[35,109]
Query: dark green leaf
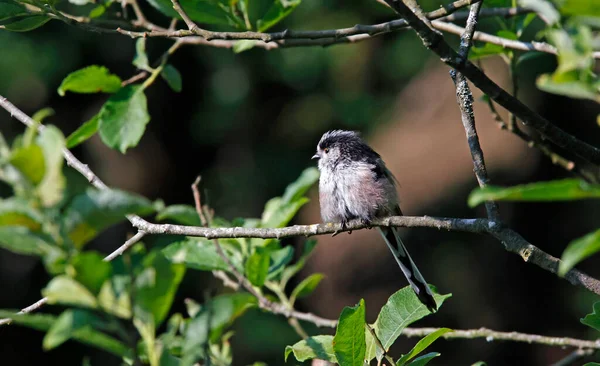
[66,291]
[306,287]
[279,260]
[593,319]
[123,119]
[578,250]
[349,342]
[201,11]
[210,322]
[556,190]
[257,267]
[90,270]
[181,214]
[91,212]
[277,12]
[16,212]
[27,23]
[402,309]
[422,345]
[10,9]
[320,347]
[84,132]
[291,271]
[424,360]
[172,77]
[70,322]
[50,189]
[156,286]
[141,59]
[196,253]
[92,79]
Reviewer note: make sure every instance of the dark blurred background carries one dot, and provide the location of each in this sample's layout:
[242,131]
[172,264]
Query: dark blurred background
[248,123]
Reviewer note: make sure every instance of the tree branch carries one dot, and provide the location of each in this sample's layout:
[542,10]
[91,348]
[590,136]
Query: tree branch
[436,43]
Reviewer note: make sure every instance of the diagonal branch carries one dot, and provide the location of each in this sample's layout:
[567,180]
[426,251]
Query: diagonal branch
[436,43]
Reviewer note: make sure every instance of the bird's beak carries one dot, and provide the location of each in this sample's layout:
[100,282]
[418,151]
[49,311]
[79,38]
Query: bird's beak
[316,156]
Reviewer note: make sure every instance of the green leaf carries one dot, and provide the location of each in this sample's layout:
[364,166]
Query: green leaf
[593,319]
[243,45]
[38,321]
[291,271]
[123,119]
[17,212]
[276,13]
[172,77]
[202,11]
[27,23]
[92,79]
[349,342]
[580,8]
[84,132]
[257,267]
[592,364]
[156,286]
[10,9]
[196,253]
[114,296]
[181,214]
[90,270]
[98,11]
[544,8]
[575,50]
[91,212]
[20,239]
[141,59]
[66,291]
[144,323]
[50,189]
[556,190]
[279,260]
[29,160]
[402,309]
[320,347]
[486,50]
[210,322]
[306,287]
[300,186]
[422,345]
[42,114]
[575,89]
[578,250]
[68,323]
[424,360]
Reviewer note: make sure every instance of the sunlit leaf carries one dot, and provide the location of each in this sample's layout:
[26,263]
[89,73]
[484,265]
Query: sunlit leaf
[306,287]
[319,347]
[422,345]
[257,267]
[42,114]
[196,253]
[84,132]
[90,269]
[114,296]
[556,190]
[349,342]
[50,189]
[29,160]
[574,89]
[17,212]
[424,360]
[141,59]
[92,79]
[66,291]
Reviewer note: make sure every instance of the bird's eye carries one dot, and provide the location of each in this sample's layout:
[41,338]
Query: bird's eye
[326,150]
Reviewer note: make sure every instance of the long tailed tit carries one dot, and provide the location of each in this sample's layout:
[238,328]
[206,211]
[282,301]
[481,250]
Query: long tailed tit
[355,184]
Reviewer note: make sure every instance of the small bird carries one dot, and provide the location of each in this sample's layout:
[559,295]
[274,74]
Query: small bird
[355,184]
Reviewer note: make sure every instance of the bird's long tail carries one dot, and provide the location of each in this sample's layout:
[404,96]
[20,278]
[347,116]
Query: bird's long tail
[408,267]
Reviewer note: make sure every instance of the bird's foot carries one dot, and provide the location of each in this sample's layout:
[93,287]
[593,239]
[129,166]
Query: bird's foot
[344,225]
[367,223]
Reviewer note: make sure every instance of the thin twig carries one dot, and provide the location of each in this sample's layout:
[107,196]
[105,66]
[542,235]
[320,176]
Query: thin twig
[193,27]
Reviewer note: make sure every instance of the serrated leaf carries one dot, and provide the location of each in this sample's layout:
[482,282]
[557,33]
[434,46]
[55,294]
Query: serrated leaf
[181,214]
[210,322]
[257,267]
[91,212]
[50,189]
[84,132]
[27,23]
[578,250]
[319,347]
[422,345]
[91,79]
[16,212]
[424,360]
[123,118]
[402,309]
[593,319]
[156,286]
[349,342]
[306,287]
[196,253]
[556,190]
[66,291]
[276,13]
[203,11]
[141,59]
[10,9]
[90,269]
[172,77]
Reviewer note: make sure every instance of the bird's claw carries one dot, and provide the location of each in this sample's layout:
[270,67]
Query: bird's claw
[344,225]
